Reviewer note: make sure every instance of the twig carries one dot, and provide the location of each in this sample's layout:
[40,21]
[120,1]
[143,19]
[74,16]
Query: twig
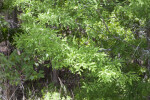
[72,94]
[136,48]
[103,20]
[105,24]
[62,86]
[22,91]
[3,98]
[13,93]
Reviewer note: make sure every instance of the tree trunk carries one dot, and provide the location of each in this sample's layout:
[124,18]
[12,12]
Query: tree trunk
[15,19]
[148,48]
[55,76]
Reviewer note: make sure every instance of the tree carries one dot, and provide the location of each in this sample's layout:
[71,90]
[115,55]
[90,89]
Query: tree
[93,38]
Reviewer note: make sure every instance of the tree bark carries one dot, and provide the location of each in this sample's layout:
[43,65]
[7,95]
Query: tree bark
[148,48]
[15,19]
[55,76]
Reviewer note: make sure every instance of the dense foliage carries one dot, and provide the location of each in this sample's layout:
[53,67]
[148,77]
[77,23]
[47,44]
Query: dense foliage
[103,41]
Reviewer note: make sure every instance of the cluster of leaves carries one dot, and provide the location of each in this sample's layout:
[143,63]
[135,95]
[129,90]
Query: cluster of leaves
[71,34]
[3,28]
